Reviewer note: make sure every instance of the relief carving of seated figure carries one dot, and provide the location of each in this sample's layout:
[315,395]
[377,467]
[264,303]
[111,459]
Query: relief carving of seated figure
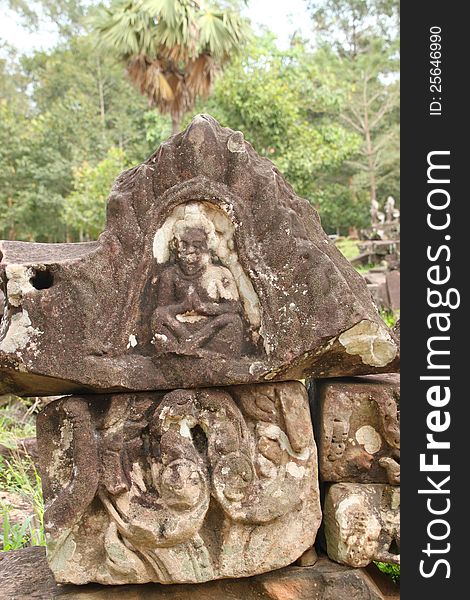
[198,306]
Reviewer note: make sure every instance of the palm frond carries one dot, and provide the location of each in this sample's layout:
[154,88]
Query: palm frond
[173,48]
[201,75]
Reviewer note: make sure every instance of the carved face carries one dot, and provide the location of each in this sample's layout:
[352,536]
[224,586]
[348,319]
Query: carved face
[389,417]
[338,439]
[181,484]
[192,250]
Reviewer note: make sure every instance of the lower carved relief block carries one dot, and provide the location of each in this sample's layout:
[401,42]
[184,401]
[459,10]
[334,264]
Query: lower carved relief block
[358,429]
[362,523]
[183,487]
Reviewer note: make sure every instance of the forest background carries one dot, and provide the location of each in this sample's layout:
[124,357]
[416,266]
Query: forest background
[324,107]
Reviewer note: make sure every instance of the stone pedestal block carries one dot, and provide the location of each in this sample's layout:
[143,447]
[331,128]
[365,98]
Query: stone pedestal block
[179,487]
[362,523]
[358,428]
[24,575]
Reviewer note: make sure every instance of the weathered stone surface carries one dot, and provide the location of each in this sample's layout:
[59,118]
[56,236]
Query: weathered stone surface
[25,575]
[187,486]
[389,589]
[362,523]
[210,271]
[358,428]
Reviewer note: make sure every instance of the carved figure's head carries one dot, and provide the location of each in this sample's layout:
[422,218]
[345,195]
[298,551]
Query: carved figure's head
[192,249]
[182,485]
[390,419]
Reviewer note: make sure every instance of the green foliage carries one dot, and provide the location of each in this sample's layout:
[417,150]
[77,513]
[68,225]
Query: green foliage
[173,49]
[66,15]
[85,207]
[359,44]
[157,128]
[290,116]
[344,24]
[390,316]
[65,111]
[11,428]
[78,107]
[150,27]
[14,536]
[393,571]
[341,206]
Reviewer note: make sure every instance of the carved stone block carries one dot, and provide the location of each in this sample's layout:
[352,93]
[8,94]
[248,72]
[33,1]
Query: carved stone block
[362,523]
[210,271]
[186,486]
[358,429]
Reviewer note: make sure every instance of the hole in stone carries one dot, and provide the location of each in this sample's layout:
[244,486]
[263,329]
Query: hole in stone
[2,304]
[42,280]
[199,440]
[394,549]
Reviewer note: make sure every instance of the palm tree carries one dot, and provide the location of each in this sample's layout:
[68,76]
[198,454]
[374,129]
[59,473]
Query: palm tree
[173,49]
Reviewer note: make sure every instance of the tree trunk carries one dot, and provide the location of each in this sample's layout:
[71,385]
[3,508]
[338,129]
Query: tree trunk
[11,229]
[175,124]
[101,94]
[370,153]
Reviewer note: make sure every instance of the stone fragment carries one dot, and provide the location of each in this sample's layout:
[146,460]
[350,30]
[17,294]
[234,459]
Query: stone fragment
[393,287]
[179,487]
[210,271]
[308,558]
[384,286]
[17,509]
[396,331]
[358,428]
[25,447]
[362,523]
[24,574]
[389,589]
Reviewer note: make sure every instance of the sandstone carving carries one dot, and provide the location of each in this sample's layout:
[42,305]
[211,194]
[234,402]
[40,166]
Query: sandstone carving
[358,429]
[179,487]
[203,308]
[210,272]
[362,523]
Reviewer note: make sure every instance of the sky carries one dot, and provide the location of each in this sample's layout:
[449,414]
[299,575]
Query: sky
[281,17]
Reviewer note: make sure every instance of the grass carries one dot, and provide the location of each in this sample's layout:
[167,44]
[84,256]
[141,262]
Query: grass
[348,247]
[363,269]
[17,420]
[390,316]
[14,536]
[19,477]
